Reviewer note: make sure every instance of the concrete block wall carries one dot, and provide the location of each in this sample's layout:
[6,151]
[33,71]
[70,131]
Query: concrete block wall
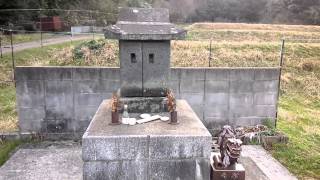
[59,100]
[234,96]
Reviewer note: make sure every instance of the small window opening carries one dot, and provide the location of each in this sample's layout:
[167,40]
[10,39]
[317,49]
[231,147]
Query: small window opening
[133,58]
[151,58]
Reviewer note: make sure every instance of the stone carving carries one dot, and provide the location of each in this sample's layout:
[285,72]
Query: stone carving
[230,147]
[225,164]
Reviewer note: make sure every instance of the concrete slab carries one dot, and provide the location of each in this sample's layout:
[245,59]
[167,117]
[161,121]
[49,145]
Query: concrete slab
[45,161]
[62,160]
[259,164]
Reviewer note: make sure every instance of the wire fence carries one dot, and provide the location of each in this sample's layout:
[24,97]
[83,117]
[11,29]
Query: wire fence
[39,29]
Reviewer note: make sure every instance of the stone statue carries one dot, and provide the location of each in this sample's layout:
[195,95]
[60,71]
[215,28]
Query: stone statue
[230,148]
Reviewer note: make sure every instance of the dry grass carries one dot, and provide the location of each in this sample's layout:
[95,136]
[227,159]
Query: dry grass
[264,27]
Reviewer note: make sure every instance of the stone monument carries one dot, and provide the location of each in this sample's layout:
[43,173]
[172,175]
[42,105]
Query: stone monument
[153,148]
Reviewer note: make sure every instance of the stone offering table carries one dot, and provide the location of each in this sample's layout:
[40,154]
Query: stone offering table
[154,150]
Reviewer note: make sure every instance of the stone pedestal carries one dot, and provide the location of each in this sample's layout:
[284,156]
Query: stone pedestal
[155,150]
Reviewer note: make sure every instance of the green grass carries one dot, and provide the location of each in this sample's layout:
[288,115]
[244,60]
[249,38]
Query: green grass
[300,120]
[6,148]
[8,114]
[21,38]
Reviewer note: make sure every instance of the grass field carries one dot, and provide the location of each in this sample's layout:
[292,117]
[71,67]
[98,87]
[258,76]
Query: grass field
[233,45]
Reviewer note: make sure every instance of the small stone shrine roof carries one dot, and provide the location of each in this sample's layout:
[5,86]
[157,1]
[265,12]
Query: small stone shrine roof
[144,24]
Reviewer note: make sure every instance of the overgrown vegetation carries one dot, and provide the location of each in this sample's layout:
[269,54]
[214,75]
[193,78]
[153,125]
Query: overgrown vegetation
[232,45]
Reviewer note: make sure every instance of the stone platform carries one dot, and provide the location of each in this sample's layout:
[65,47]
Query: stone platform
[154,150]
[62,160]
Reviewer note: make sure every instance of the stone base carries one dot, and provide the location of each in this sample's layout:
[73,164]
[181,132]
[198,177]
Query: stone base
[154,150]
[237,173]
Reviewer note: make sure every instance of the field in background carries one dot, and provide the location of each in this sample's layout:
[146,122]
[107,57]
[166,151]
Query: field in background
[233,45]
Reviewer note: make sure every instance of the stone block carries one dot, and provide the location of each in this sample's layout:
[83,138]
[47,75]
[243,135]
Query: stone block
[28,125]
[84,113]
[24,73]
[86,73]
[246,121]
[265,86]
[241,86]
[96,86]
[115,148]
[30,93]
[57,126]
[35,114]
[192,74]
[82,125]
[217,86]
[87,86]
[242,74]
[124,170]
[267,74]
[112,74]
[265,98]
[265,111]
[240,99]
[213,99]
[107,95]
[178,147]
[216,110]
[59,112]
[188,169]
[57,73]
[216,74]
[193,98]
[191,86]
[216,122]
[174,86]
[241,111]
[175,74]
[92,99]
[58,87]
[198,109]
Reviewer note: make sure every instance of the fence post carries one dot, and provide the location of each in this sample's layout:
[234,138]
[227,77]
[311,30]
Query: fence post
[279,78]
[12,55]
[210,54]
[92,25]
[1,45]
[40,18]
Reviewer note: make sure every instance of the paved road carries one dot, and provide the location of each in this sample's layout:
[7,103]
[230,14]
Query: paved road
[46,42]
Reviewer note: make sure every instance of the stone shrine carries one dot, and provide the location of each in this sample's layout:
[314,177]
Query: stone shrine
[151,150]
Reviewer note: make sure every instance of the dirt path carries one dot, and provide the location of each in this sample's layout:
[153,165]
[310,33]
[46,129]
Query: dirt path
[46,42]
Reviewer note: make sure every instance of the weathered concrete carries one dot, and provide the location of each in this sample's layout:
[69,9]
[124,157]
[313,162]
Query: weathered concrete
[259,163]
[46,161]
[156,149]
[215,94]
[144,24]
[145,68]
[62,161]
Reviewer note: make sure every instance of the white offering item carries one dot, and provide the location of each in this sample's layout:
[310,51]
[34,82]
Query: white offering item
[152,118]
[125,120]
[164,118]
[144,116]
[132,121]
